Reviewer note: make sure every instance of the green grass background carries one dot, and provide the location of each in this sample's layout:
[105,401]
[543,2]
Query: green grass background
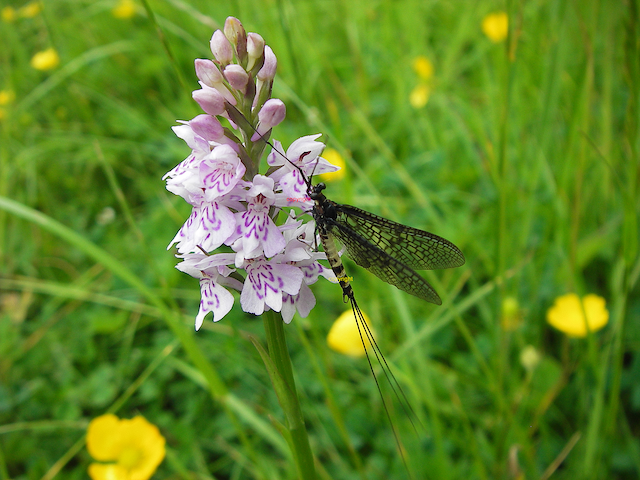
[526,157]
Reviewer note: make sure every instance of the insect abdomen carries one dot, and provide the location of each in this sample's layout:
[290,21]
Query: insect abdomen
[336,264]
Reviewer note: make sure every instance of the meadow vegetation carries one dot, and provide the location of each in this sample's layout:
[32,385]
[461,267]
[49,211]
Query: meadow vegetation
[523,151]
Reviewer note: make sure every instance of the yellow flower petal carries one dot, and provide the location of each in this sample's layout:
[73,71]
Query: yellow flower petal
[45,60]
[344,337]
[496,26]
[102,441]
[419,96]
[124,9]
[568,314]
[333,157]
[423,67]
[134,446]
[100,471]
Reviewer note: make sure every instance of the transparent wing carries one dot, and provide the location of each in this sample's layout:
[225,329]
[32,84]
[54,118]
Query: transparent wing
[414,248]
[381,264]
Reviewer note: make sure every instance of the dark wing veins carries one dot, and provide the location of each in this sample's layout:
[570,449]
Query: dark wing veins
[380,263]
[413,248]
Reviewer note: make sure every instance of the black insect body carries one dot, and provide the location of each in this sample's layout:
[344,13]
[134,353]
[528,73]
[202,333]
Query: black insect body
[324,213]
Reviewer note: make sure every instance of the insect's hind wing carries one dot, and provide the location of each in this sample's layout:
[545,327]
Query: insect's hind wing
[415,248]
[381,264]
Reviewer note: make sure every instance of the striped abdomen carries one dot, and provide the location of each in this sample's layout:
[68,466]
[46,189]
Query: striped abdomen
[335,262]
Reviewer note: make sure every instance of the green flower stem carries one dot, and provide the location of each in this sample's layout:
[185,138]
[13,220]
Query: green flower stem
[284,384]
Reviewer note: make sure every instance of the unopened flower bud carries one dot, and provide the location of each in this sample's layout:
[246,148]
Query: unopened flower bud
[209,99]
[207,127]
[268,70]
[236,76]
[209,75]
[530,358]
[270,115]
[207,72]
[237,36]
[255,49]
[221,48]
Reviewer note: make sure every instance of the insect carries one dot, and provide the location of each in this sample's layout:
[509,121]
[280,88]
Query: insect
[389,250]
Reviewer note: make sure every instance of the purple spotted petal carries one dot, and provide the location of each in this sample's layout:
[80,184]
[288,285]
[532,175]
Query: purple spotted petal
[305,147]
[221,171]
[294,188]
[213,298]
[256,233]
[212,271]
[208,226]
[275,159]
[265,284]
[216,224]
[304,302]
[255,229]
[303,154]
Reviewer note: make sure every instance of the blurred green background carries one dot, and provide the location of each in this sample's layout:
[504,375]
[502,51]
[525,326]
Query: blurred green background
[525,155]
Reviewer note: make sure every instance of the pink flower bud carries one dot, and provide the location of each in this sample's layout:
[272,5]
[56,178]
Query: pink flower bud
[270,115]
[207,127]
[236,76]
[272,112]
[255,49]
[237,36]
[207,72]
[268,70]
[221,48]
[209,99]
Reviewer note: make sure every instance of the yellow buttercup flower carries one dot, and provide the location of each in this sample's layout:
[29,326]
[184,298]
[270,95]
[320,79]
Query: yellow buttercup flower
[333,157]
[496,26]
[7,97]
[344,336]
[45,60]
[133,448]
[8,14]
[419,96]
[568,314]
[423,67]
[124,9]
[30,10]
[530,358]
